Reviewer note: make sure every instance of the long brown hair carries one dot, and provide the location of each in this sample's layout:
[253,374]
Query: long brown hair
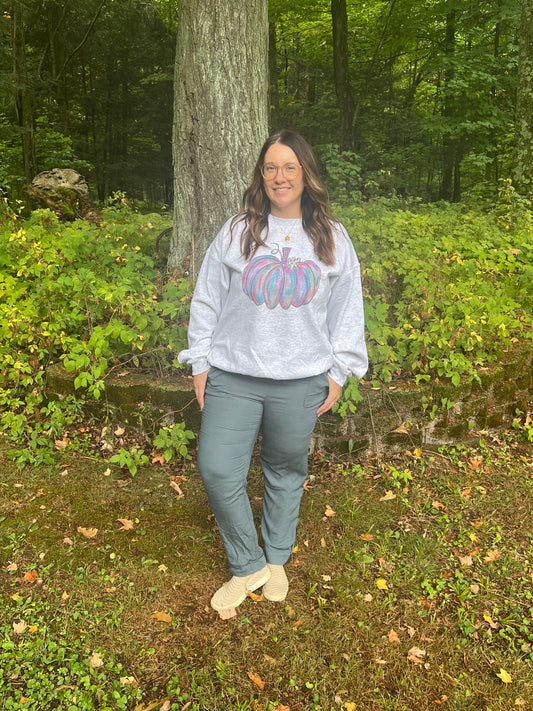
[316,219]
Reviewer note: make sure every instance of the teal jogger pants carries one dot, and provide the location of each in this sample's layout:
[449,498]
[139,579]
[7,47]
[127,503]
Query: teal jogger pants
[236,408]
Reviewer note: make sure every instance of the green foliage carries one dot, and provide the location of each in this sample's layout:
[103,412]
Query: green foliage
[447,289]
[82,295]
[130,459]
[51,667]
[342,173]
[173,441]
[53,150]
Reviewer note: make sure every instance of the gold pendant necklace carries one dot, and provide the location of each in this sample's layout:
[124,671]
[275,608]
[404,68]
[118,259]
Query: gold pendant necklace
[291,229]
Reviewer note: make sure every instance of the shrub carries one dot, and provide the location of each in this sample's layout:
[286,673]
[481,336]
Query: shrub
[80,294]
[447,289]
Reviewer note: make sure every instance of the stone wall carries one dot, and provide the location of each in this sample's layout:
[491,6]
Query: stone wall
[399,415]
[432,414]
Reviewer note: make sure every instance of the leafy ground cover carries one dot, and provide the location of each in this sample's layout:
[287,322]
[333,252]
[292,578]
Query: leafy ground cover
[411,588]
[447,289]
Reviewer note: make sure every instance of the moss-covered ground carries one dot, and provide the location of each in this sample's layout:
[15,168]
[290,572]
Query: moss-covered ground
[411,588]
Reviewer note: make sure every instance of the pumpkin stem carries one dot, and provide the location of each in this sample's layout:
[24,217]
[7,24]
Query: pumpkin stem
[285,255]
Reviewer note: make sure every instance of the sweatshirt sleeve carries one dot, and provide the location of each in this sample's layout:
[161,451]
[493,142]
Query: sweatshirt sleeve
[345,317]
[208,299]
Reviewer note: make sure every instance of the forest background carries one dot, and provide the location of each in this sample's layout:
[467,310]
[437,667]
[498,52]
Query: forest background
[411,588]
[415,99]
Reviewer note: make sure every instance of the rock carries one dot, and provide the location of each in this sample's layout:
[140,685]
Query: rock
[66,193]
[61,178]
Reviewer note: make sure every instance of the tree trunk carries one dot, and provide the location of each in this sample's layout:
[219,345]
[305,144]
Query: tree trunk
[523,148]
[273,77]
[448,143]
[23,102]
[341,73]
[220,117]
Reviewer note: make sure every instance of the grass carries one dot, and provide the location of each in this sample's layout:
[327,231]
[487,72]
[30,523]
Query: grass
[411,589]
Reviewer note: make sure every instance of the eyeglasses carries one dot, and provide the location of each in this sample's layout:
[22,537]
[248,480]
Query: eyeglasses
[290,170]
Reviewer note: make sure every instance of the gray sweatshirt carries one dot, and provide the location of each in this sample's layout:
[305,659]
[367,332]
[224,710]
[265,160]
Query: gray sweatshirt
[283,314]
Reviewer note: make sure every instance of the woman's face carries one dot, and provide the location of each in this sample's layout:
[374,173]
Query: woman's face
[284,193]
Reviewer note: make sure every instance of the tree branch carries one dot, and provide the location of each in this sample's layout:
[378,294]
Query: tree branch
[84,40]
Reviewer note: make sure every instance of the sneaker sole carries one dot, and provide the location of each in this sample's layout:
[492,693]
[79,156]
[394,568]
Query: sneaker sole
[257,584]
[275,598]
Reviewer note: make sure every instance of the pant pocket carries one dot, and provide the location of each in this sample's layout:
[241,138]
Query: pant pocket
[317,391]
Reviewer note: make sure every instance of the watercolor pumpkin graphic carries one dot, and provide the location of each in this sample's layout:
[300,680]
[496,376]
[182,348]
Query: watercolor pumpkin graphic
[272,281]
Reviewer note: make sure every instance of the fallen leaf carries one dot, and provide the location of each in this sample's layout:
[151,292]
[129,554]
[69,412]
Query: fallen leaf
[466,560]
[492,556]
[88,532]
[349,706]
[32,629]
[465,493]
[388,496]
[119,431]
[437,505]
[30,577]
[128,681]
[12,568]
[158,459]
[253,596]
[256,680]
[176,488]
[474,589]
[393,637]
[366,537]
[270,659]
[155,705]
[162,568]
[162,616]
[382,584]
[68,541]
[402,429]
[474,463]
[19,627]
[326,578]
[329,511]
[61,443]
[367,597]
[504,676]
[411,631]
[107,472]
[416,655]
[323,542]
[380,661]
[65,596]
[96,660]
[127,525]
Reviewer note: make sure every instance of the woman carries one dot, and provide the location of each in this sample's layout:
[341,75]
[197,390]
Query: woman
[276,327]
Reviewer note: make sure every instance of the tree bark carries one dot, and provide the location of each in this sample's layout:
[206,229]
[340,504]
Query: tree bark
[23,101]
[220,117]
[523,148]
[341,73]
[273,76]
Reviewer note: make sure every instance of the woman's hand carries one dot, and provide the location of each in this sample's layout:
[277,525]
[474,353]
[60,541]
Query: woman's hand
[199,382]
[334,394]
